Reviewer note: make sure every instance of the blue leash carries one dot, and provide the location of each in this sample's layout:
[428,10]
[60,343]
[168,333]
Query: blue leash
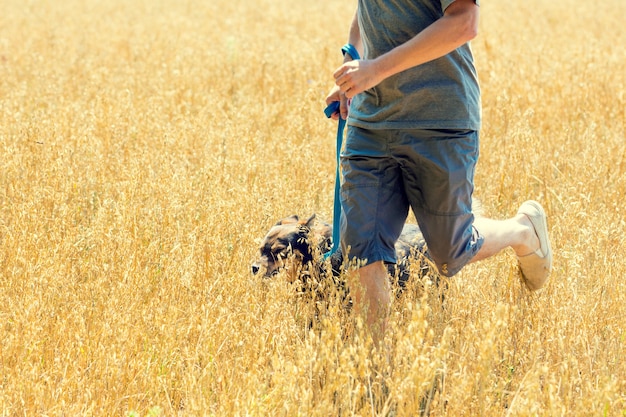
[328,111]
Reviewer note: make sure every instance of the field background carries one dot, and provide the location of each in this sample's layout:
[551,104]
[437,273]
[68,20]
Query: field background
[147,145]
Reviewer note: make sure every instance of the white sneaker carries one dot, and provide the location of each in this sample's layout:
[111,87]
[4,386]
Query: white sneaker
[536,267]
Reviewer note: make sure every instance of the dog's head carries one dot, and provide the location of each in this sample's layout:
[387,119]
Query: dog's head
[289,245]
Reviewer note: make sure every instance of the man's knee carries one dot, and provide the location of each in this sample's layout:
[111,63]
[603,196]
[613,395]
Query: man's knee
[370,281]
[374,276]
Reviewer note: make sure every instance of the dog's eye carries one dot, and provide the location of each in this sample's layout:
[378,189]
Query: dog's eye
[280,251]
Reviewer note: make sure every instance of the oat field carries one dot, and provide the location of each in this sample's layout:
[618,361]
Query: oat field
[147,145]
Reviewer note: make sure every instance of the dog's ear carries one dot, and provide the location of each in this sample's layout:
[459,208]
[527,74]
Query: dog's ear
[310,222]
[289,220]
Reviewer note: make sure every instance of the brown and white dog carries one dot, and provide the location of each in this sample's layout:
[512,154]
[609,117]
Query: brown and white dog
[296,246]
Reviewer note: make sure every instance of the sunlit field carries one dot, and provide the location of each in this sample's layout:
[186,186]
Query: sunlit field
[146,146]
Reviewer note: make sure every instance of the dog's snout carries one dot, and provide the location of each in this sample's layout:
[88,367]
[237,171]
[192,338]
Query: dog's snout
[255,269]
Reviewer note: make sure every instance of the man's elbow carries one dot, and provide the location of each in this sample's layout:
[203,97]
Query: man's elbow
[471,33]
[468,27]
[463,32]
[465,16]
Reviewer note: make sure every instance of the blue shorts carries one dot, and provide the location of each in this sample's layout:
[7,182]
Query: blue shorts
[386,172]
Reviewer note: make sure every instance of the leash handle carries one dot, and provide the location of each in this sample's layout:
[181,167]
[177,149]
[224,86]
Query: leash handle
[329,111]
[350,50]
[331,108]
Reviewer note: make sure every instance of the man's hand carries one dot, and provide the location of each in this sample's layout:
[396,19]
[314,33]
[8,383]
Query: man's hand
[336,95]
[354,77]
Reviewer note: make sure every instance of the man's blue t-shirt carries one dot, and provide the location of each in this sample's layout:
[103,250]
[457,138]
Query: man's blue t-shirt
[440,94]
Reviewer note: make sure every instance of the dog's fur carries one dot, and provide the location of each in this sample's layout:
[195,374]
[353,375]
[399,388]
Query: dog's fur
[296,246]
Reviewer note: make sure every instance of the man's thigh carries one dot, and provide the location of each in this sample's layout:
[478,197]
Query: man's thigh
[373,199]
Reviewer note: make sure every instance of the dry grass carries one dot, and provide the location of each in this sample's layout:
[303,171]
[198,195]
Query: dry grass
[146,145]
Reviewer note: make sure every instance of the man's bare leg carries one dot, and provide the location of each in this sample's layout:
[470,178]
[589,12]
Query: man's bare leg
[369,285]
[527,234]
[516,232]
[370,289]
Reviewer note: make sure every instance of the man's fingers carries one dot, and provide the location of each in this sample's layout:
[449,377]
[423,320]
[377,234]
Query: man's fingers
[345,83]
[345,70]
[341,81]
[344,109]
[344,79]
[340,71]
